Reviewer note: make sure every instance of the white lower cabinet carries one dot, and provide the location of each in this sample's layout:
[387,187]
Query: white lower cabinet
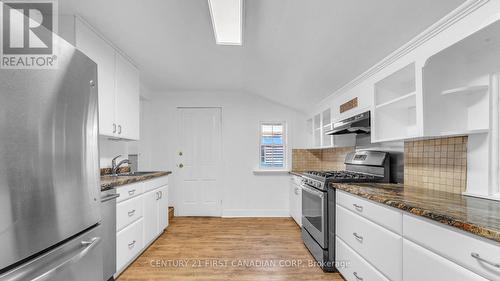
[128,212]
[151,215]
[352,266]
[155,213]
[421,264]
[163,208]
[379,246]
[427,250]
[295,196]
[456,246]
[129,243]
[141,216]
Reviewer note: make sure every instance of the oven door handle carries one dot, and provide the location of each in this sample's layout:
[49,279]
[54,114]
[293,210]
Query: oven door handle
[312,191]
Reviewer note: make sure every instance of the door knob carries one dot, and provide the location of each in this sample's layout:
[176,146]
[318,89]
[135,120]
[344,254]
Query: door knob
[181,165]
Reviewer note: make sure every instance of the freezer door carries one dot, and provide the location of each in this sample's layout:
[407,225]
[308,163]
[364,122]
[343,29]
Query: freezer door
[79,259]
[49,168]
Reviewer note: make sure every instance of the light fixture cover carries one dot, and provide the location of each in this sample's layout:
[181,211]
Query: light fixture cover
[227,21]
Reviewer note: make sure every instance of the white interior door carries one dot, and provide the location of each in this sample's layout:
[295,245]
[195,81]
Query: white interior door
[199,161]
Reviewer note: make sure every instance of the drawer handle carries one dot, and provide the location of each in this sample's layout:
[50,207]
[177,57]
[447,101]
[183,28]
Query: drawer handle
[131,245]
[357,277]
[131,192]
[359,208]
[357,236]
[479,258]
[131,213]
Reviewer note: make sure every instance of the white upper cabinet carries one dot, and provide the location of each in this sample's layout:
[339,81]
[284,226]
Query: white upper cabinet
[319,124]
[395,110]
[103,55]
[458,85]
[447,94]
[127,99]
[118,84]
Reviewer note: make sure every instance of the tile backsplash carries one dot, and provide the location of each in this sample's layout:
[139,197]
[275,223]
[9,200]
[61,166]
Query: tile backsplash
[437,164]
[326,159]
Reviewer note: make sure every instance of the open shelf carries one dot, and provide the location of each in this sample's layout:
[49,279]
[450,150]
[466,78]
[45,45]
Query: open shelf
[395,114]
[457,82]
[466,90]
[465,132]
[396,85]
[405,101]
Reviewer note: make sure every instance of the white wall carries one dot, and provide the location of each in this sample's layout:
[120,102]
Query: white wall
[244,193]
[108,149]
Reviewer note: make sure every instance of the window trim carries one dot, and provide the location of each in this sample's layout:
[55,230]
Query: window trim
[285,147]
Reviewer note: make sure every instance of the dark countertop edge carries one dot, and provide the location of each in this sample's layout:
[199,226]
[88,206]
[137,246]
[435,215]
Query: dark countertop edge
[448,220]
[133,179]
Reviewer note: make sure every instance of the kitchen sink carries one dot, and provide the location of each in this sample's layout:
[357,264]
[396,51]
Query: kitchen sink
[133,174]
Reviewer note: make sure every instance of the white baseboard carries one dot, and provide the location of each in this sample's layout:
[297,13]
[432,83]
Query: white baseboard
[235,213]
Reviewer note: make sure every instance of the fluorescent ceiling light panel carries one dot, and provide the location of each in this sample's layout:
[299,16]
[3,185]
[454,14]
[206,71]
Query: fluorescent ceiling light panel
[227,21]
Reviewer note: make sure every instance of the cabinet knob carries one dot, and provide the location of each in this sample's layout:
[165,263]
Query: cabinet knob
[114,128]
[181,165]
[359,208]
[357,276]
[131,244]
[131,213]
[119,129]
[358,237]
[479,258]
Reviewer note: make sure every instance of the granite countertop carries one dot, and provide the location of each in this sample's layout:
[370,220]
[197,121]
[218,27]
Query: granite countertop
[475,215]
[108,182]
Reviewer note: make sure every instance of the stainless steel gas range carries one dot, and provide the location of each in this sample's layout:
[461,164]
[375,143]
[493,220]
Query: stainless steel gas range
[318,200]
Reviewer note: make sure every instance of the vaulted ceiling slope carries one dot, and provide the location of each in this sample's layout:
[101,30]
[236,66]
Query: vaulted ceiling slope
[295,52]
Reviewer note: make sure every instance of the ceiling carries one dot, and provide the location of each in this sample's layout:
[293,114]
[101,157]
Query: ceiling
[295,52]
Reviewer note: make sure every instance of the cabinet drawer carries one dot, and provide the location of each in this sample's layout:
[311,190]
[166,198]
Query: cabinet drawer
[128,212]
[352,266]
[129,243]
[155,183]
[416,258]
[454,245]
[385,216]
[379,246]
[129,191]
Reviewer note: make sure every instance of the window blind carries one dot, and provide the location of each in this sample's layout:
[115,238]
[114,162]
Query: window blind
[272,145]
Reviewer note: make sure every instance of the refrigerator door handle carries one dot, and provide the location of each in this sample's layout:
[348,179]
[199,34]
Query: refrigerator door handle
[87,247]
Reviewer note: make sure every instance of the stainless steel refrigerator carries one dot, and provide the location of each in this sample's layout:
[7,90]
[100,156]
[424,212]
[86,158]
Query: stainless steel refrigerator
[49,171]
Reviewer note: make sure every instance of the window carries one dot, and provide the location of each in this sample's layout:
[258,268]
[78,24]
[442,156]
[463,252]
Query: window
[273,145]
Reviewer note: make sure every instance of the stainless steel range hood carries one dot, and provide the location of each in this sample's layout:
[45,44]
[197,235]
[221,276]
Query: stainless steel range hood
[358,124]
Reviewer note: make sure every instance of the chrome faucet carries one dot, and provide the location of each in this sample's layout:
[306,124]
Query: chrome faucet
[115,167]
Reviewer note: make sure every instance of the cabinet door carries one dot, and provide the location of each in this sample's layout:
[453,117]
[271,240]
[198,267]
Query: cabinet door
[291,198]
[87,41]
[163,208]
[422,264]
[150,212]
[127,99]
[298,202]
[129,243]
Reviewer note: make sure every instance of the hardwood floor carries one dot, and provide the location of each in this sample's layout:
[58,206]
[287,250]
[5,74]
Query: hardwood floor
[227,249]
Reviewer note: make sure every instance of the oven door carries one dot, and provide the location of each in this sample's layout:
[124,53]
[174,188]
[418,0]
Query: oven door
[314,214]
